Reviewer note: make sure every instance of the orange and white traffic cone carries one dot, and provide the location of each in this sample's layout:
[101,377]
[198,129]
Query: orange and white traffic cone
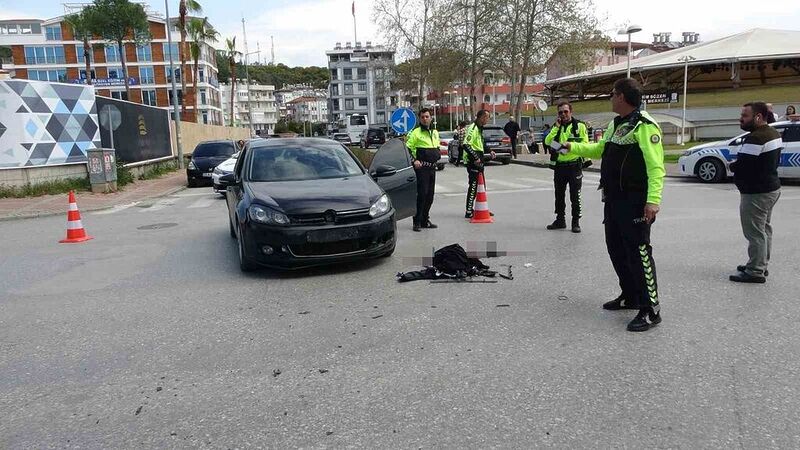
[480,212]
[75,231]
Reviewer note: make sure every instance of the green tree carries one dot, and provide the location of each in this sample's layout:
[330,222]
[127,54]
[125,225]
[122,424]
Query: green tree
[230,55]
[202,33]
[118,21]
[81,29]
[184,8]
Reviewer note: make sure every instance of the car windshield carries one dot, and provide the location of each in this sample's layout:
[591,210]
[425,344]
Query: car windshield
[340,135]
[306,161]
[494,133]
[445,135]
[214,149]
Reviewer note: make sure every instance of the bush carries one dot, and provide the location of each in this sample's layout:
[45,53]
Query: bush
[45,188]
[124,175]
[158,170]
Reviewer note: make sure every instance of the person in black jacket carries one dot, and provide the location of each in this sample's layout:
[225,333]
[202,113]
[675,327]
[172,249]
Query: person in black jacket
[512,131]
[756,174]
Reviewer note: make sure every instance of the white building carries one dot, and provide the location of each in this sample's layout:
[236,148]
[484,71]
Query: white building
[308,109]
[360,82]
[290,92]
[262,101]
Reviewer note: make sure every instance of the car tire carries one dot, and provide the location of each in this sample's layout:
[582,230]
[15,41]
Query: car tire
[440,167]
[245,265]
[191,182]
[506,161]
[710,170]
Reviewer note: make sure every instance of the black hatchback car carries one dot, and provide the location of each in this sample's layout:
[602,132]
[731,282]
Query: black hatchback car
[296,203]
[205,157]
[372,136]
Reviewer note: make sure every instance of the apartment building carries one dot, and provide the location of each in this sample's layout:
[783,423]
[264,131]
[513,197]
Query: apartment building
[47,50]
[308,109]
[264,114]
[361,82]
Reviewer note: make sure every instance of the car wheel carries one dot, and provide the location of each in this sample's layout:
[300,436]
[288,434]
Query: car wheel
[191,182]
[440,167]
[506,161]
[710,170]
[244,262]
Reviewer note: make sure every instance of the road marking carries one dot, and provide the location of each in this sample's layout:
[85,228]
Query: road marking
[190,194]
[159,205]
[507,191]
[114,209]
[507,184]
[203,203]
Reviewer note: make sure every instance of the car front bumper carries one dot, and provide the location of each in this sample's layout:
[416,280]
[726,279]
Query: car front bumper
[197,174]
[296,247]
[686,165]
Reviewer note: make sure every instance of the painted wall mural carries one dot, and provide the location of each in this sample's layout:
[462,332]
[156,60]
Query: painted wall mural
[45,123]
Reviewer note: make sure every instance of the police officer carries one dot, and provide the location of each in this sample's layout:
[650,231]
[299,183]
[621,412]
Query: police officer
[632,178]
[423,144]
[473,157]
[567,167]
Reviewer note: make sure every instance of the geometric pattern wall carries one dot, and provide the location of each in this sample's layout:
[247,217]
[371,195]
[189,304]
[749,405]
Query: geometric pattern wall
[44,123]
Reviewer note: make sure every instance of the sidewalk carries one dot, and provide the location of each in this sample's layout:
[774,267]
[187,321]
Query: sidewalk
[539,160]
[46,205]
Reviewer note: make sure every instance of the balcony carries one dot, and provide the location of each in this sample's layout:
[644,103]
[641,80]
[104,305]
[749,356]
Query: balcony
[31,60]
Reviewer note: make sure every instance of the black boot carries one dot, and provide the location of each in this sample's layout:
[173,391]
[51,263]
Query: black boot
[644,320]
[576,227]
[416,226]
[558,224]
[744,268]
[429,224]
[618,304]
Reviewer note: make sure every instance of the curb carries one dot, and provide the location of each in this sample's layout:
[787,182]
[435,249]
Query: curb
[590,169]
[36,214]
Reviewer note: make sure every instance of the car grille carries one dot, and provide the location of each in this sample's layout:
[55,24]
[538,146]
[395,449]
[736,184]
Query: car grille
[342,217]
[353,246]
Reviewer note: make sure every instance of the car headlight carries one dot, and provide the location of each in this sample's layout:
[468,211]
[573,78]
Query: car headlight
[192,166]
[380,207]
[262,214]
[218,171]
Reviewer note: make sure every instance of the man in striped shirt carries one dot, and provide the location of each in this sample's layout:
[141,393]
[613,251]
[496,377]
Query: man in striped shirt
[756,174]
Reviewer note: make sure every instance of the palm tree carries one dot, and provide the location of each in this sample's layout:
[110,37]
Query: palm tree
[81,29]
[230,55]
[201,33]
[184,8]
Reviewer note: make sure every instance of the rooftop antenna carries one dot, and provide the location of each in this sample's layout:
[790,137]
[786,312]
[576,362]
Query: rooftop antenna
[272,50]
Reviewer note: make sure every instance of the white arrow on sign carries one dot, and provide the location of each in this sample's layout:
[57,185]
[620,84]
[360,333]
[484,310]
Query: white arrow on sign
[404,123]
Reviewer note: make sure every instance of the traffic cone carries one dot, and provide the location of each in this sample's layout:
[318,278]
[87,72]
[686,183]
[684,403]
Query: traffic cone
[480,212]
[75,231]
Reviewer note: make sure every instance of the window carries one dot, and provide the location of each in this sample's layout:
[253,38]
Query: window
[334,74]
[146,75]
[174,49]
[119,95]
[82,74]
[180,97]
[79,52]
[348,74]
[348,103]
[201,75]
[144,53]
[380,103]
[362,102]
[362,87]
[791,134]
[112,54]
[486,98]
[380,117]
[53,33]
[335,104]
[115,73]
[379,74]
[149,97]
[390,156]
[59,75]
[348,89]
[334,89]
[362,74]
[203,97]
[205,117]
[53,54]
[177,75]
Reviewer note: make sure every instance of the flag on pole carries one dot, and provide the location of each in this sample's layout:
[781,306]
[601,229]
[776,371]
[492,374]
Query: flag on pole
[354,8]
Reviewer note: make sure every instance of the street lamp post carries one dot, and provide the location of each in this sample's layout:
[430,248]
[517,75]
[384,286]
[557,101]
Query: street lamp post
[629,31]
[176,116]
[685,60]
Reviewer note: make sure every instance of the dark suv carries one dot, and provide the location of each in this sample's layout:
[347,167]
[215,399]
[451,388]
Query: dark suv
[205,157]
[495,140]
[372,136]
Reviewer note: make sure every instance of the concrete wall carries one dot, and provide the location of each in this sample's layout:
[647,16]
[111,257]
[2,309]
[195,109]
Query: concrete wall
[194,133]
[37,175]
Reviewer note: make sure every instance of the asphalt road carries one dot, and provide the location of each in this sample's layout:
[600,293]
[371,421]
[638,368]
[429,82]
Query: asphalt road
[153,338]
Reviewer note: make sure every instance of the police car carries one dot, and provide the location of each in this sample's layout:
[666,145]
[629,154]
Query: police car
[710,162]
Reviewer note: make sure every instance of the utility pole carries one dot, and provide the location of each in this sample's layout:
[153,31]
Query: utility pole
[272,51]
[175,114]
[247,74]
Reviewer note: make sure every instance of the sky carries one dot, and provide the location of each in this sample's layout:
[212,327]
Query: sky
[304,29]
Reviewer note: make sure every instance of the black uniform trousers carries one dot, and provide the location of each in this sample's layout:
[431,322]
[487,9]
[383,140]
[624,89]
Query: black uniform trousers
[426,181]
[568,174]
[472,189]
[628,244]
[514,147]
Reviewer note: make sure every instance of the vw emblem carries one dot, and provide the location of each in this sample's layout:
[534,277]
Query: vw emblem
[330,216]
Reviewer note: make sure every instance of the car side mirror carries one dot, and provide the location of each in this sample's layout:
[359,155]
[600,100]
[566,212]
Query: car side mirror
[227,179]
[384,171]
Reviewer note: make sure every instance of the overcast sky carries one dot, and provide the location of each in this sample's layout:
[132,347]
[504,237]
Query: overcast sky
[304,29]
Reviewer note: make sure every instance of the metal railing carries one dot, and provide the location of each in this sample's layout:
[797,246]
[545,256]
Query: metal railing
[30,60]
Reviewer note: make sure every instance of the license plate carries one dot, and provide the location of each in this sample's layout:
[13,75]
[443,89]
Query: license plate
[492,144]
[334,235]
[207,175]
